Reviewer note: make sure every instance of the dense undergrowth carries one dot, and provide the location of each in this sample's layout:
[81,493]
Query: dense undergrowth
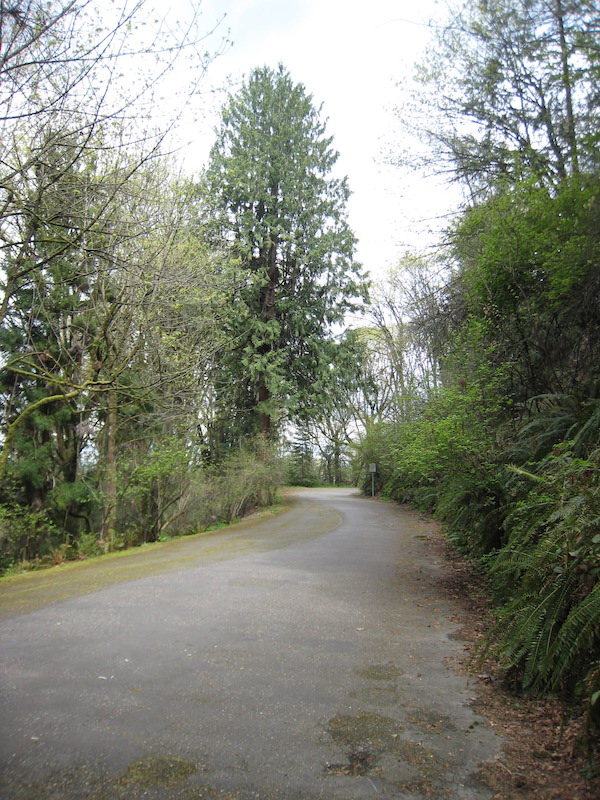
[534,530]
[506,453]
[156,501]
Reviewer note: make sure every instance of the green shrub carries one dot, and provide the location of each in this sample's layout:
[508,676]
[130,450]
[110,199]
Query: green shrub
[26,535]
[446,462]
[248,480]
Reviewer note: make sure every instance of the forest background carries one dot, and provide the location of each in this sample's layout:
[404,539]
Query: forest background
[175,347]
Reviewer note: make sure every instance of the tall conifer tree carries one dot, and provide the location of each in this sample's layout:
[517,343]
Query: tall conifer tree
[275,199]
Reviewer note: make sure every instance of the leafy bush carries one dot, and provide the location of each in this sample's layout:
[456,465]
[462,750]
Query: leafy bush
[248,480]
[26,535]
[183,501]
[153,489]
[447,463]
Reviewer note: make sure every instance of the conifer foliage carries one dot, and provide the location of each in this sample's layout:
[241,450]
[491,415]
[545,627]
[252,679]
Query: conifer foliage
[275,198]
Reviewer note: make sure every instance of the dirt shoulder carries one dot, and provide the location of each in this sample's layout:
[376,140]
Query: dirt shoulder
[545,756]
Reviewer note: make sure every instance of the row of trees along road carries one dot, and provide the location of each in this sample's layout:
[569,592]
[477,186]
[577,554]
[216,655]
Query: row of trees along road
[159,333]
[153,325]
[496,427]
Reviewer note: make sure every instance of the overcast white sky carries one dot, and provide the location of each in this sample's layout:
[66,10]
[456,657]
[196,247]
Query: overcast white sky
[353,57]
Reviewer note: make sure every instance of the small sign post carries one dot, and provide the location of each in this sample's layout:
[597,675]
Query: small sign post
[372,470]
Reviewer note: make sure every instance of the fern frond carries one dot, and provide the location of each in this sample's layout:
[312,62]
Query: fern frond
[525,473]
[556,607]
[589,433]
[578,638]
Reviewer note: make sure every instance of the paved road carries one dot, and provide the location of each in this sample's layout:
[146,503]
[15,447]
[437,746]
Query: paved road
[295,658]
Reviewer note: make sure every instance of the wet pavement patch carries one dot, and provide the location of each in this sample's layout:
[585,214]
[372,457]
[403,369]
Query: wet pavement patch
[364,729]
[366,735]
[376,695]
[360,761]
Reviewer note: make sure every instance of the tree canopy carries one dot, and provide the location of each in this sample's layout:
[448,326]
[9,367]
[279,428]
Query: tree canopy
[509,91]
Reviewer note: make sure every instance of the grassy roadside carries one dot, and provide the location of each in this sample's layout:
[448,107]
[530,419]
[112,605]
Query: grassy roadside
[28,591]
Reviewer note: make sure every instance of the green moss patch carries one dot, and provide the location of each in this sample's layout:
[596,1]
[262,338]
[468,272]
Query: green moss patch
[364,729]
[368,736]
[164,770]
[380,672]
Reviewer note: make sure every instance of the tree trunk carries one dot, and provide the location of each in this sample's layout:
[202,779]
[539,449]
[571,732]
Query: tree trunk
[267,314]
[567,84]
[110,470]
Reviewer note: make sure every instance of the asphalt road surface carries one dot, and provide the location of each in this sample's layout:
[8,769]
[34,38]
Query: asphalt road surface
[301,657]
